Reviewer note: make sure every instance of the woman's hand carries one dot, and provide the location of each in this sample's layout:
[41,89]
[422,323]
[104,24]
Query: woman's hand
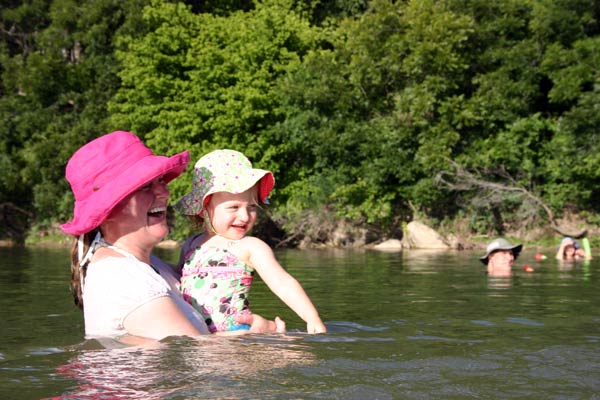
[259,324]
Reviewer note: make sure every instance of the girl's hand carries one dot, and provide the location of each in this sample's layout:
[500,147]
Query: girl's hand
[316,327]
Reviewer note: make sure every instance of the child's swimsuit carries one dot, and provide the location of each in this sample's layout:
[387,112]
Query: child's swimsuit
[216,283]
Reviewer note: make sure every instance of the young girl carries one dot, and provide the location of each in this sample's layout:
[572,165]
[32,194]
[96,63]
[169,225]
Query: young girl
[570,250]
[218,265]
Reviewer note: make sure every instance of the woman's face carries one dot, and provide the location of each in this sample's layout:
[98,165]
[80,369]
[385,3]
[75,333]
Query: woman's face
[233,215]
[142,216]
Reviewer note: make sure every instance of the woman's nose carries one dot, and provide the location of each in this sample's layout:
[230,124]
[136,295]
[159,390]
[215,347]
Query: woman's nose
[160,188]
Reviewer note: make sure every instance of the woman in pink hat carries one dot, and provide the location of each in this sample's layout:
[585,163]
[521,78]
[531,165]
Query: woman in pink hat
[121,198]
[218,265]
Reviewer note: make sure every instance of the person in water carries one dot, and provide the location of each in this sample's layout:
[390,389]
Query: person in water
[218,265]
[500,256]
[571,250]
[120,214]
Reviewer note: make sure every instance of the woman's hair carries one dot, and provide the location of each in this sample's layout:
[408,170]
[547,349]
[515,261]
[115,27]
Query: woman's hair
[78,272]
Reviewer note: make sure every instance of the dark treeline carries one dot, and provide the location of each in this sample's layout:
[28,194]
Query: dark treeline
[369,113]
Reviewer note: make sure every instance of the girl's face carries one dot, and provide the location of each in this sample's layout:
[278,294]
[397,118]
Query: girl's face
[142,214]
[233,215]
[569,251]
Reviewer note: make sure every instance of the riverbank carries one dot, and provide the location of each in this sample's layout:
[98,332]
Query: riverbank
[477,242]
[456,234]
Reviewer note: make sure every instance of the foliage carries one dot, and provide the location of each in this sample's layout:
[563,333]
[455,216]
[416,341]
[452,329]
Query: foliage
[356,106]
[203,81]
[58,72]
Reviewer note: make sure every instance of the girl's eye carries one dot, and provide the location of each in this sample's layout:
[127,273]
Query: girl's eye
[252,207]
[146,187]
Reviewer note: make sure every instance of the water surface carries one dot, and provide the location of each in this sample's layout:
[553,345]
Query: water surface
[404,325]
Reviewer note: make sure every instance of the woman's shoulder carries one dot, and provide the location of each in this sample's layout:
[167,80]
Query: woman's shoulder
[104,253]
[108,262]
[120,268]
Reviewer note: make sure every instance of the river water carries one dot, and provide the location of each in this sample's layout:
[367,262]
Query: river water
[402,325]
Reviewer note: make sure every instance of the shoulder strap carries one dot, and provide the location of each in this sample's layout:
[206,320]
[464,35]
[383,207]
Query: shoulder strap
[188,245]
[103,243]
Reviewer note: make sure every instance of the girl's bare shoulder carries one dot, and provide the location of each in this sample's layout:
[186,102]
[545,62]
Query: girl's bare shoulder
[252,242]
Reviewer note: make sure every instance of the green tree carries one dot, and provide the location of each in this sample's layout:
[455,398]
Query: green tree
[202,81]
[58,72]
[367,115]
[520,102]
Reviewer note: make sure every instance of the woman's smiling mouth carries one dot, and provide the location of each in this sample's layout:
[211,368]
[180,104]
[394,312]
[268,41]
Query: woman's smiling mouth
[157,212]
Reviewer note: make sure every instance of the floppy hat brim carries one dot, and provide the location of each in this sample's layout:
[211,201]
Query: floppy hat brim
[91,212]
[516,250]
[192,203]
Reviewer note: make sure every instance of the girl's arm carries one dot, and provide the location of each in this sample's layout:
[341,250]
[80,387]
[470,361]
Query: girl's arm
[560,254]
[285,286]
[581,253]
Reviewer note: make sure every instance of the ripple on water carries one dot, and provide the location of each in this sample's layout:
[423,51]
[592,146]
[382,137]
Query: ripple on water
[482,322]
[44,351]
[347,327]
[524,321]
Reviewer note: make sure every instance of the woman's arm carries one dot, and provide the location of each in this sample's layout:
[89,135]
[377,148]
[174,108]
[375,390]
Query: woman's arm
[257,324]
[161,318]
[284,285]
[158,319]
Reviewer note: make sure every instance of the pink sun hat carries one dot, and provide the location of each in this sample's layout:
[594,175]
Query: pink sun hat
[223,171]
[106,170]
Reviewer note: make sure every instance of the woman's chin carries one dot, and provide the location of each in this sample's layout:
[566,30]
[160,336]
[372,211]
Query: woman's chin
[159,229]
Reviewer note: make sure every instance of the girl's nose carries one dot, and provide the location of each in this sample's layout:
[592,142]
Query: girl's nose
[243,214]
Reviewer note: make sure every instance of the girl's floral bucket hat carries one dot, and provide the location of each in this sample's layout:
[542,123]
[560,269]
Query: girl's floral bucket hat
[223,171]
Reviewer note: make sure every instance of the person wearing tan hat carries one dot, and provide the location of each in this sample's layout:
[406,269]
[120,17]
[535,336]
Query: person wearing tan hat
[121,198]
[500,256]
[218,265]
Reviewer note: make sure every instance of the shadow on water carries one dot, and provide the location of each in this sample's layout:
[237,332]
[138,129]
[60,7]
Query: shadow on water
[409,325]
